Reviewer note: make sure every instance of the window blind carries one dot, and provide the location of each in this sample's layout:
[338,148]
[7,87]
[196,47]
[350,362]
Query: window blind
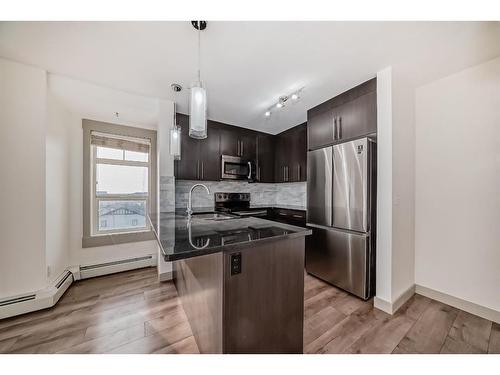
[120,143]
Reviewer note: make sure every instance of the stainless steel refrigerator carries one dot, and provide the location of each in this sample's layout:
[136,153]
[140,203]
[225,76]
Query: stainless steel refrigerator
[341,197]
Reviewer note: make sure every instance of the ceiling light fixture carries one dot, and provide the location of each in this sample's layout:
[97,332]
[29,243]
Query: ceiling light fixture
[295,96]
[198,96]
[176,87]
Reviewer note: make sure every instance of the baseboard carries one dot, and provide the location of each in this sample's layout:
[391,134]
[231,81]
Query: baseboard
[382,304]
[39,300]
[48,297]
[393,307]
[166,276]
[470,307]
[107,268]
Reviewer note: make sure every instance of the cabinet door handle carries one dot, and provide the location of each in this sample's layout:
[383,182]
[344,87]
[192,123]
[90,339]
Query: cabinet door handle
[197,169]
[298,172]
[242,145]
[202,171]
[339,128]
[334,127]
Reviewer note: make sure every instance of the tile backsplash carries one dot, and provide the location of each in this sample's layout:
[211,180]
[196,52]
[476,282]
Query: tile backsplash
[293,193]
[167,193]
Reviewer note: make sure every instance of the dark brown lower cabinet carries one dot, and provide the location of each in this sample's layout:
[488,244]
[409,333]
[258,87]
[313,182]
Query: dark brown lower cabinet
[288,216]
[260,310]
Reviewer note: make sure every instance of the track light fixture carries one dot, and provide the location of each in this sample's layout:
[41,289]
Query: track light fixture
[282,101]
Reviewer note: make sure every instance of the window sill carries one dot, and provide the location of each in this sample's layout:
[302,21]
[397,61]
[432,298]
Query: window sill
[117,238]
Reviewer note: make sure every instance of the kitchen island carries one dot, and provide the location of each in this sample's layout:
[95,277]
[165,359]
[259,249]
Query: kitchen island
[240,280]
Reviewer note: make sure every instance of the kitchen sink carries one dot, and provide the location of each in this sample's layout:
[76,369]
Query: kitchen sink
[216,216]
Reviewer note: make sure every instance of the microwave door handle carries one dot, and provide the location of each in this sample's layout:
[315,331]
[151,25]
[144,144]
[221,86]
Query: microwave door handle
[249,170]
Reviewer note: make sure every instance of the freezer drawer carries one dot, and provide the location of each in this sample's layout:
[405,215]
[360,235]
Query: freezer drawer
[341,258]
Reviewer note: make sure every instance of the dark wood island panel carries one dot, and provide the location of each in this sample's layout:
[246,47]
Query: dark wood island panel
[199,283]
[259,310]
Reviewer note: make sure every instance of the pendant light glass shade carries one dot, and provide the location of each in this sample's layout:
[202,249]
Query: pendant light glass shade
[175,137]
[198,112]
[175,142]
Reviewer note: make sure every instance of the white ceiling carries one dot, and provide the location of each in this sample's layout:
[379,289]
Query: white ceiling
[246,66]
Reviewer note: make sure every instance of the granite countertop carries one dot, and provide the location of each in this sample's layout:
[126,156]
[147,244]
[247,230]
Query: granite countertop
[284,206]
[252,206]
[180,238]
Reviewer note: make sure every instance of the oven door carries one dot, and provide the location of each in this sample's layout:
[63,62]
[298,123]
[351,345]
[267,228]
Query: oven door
[235,168]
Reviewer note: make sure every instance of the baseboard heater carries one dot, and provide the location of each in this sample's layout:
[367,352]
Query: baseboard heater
[117,266]
[42,299]
[17,300]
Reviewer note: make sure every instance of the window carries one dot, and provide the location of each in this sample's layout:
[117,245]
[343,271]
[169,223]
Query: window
[120,183]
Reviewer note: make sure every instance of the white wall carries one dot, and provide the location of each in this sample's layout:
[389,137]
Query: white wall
[395,188]
[166,172]
[403,184]
[22,182]
[458,185]
[57,188]
[384,187]
[85,100]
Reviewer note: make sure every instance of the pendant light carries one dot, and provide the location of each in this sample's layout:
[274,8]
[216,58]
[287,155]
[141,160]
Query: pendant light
[175,138]
[198,96]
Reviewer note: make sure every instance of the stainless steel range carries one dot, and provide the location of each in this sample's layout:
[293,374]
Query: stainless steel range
[237,204]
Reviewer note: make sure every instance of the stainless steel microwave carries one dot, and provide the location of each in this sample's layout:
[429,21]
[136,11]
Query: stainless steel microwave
[236,168]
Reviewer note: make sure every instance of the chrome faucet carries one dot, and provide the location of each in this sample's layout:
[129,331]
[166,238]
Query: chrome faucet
[189,207]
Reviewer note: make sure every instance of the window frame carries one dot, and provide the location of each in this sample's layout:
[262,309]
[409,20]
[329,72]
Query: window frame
[91,236]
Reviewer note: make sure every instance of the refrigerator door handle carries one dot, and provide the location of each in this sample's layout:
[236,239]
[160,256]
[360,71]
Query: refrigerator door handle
[334,124]
[339,128]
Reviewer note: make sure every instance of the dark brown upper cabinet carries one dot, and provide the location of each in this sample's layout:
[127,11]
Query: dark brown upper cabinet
[248,144]
[265,158]
[200,158]
[278,158]
[291,155]
[229,142]
[237,141]
[349,115]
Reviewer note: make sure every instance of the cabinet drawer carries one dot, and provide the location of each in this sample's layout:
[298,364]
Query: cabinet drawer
[292,217]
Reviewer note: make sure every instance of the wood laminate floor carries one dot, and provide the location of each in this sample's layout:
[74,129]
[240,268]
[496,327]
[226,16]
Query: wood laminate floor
[131,312]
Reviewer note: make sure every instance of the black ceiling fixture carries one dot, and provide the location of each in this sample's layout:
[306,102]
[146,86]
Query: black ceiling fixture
[199,25]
